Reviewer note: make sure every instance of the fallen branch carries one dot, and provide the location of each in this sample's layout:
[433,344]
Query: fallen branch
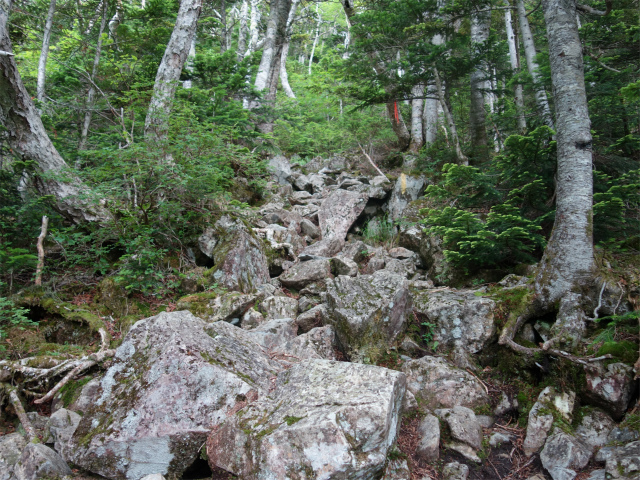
[373,164]
[595,312]
[22,415]
[40,247]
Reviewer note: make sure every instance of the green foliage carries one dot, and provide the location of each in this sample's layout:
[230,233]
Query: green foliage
[379,231]
[11,316]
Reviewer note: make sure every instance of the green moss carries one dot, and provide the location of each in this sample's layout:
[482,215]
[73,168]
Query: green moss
[267,431]
[70,392]
[625,351]
[290,420]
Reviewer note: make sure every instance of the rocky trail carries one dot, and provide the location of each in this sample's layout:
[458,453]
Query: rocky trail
[306,349]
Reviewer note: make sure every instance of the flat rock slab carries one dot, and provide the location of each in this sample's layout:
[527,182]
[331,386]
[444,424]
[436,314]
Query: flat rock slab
[323,420]
[304,273]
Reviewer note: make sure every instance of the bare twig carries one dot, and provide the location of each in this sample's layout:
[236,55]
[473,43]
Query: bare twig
[593,11]
[595,312]
[373,164]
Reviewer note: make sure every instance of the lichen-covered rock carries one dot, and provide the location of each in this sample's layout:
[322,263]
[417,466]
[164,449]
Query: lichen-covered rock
[563,454]
[309,228]
[324,419]
[595,428]
[611,388]
[344,266]
[61,425]
[214,308]
[407,189]
[38,461]
[462,320]
[438,384]
[368,312]
[280,168]
[455,471]
[463,425]
[279,307]
[239,257]
[428,448]
[312,318]
[549,403]
[397,470]
[304,273]
[336,215]
[624,462]
[173,379]
[11,447]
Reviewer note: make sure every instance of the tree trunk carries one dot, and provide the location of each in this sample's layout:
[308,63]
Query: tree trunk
[253,27]
[157,122]
[480,21]
[515,67]
[188,64]
[568,258]
[530,54]
[92,89]
[417,138]
[398,125]
[430,120]
[115,21]
[243,30]
[284,78]
[27,138]
[315,40]
[453,131]
[44,53]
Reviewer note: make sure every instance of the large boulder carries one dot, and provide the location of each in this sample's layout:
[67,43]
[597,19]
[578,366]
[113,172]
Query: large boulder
[336,215]
[62,425]
[611,388]
[280,168]
[437,384]
[38,461]
[323,419]
[368,312]
[302,274]
[460,319]
[563,454]
[239,257]
[173,379]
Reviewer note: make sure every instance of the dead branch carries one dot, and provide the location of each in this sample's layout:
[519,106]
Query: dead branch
[22,415]
[40,246]
[373,164]
[592,11]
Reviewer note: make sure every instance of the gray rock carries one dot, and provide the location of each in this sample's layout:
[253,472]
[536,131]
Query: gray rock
[406,268]
[563,454]
[506,405]
[280,167]
[429,434]
[407,189]
[319,342]
[397,470]
[239,256]
[306,303]
[11,447]
[304,273]
[410,346]
[438,384]
[611,388]
[208,241]
[251,319]
[315,317]
[597,475]
[498,439]
[541,417]
[230,305]
[465,450]
[62,425]
[595,428]
[462,319]
[355,251]
[344,266]
[463,425]
[322,420]
[368,312]
[336,215]
[155,476]
[39,461]
[485,421]
[623,435]
[88,395]
[309,228]
[279,307]
[624,462]
[173,379]
[273,334]
[455,471]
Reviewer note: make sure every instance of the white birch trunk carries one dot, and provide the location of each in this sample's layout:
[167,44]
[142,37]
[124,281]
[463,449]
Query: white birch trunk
[170,68]
[315,40]
[480,22]
[417,104]
[530,54]
[284,78]
[26,136]
[568,258]
[114,23]
[44,52]
[95,18]
[514,60]
[254,19]
[453,131]
[188,64]
[347,40]
[269,51]
[431,114]
[243,30]
[92,89]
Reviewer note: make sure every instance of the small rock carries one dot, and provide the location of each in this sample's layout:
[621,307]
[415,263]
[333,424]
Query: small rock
[541,420]
[455,471]
[611,389]
[299,198]
[11,447]
[623,435]
[309,228]
[429,432]
[597,475]
[312,318]
[624,462]
[304,273]
[595,428]
[465,450]
[306,303]
[410,346]
[506,405]
[563,455]
[409,404]
[279,307]
[485,421]
[208,241]
[280,168]
[397,470]
[251,319]
[62,425]
[463,425]
[400,252]
[407,189]
[39,461]
[344,266]
[498,439]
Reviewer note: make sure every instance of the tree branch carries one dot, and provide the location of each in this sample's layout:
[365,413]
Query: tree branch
[593,11]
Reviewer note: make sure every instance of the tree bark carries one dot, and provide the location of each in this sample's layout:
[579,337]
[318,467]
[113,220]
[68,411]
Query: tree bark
[44,52]
[480,22]
[512,41]
[157,121]
[284,78]
[315,39]
[430,120]
[568,258]
[92,89]
[453,131]
[27,138]
[253,27]
[243,30]
[530,54]
[417,138]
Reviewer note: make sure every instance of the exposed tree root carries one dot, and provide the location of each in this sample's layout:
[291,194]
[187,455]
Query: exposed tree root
[19,409]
